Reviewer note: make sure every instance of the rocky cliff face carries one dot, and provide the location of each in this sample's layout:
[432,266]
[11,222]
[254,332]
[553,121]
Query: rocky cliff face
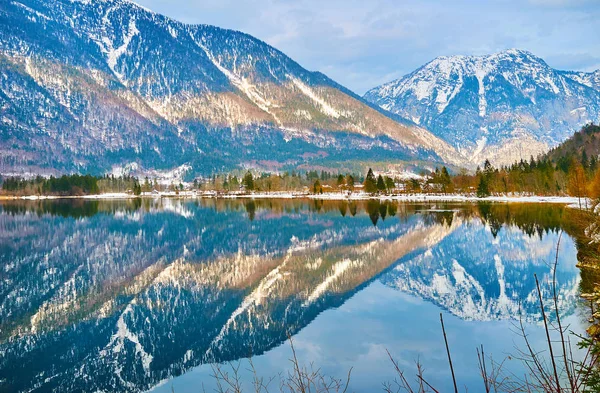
[504,106]
[90,85]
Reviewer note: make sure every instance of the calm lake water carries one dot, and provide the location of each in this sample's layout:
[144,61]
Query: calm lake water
[147,294]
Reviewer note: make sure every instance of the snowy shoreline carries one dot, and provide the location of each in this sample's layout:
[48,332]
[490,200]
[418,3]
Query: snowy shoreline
[571,201]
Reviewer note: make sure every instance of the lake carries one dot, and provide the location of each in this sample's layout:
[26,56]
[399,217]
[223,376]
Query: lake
[141,295]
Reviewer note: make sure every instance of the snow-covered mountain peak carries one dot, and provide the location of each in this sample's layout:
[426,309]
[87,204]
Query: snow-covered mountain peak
[503,106]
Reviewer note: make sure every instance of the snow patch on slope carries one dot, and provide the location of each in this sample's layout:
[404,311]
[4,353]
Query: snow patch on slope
[250,90]
[113,54]
[325,107]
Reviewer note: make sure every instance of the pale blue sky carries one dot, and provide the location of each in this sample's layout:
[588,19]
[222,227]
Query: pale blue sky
[363,43]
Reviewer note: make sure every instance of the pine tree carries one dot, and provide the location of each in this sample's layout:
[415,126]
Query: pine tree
[415,185]
[389,183]
[370,184]
[483,187]
[226,183]
[488,169]
[235,184]
[584,161]
[380,183]
[248,181]
[445,180]
[593,164]
[317,188]
[350,182]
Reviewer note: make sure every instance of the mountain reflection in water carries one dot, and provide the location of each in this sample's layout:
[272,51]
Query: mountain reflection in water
[120,295]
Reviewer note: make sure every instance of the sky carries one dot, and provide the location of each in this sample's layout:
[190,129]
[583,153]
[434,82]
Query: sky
[364,43]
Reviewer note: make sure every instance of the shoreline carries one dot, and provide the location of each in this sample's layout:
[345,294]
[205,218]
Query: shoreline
[571,201]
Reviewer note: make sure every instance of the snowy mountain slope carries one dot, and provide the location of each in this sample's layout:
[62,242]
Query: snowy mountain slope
[505,106]
[589,79]
[121,84]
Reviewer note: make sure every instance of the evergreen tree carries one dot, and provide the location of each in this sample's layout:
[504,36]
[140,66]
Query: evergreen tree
[593,164]
[380,184]
[389,183]
[445,180]
[350,182]
[488,169]
[532,163]
[317,188]
[248,181]
[370,184]
[585,161]
[414,185]
[483,187]
[235,183]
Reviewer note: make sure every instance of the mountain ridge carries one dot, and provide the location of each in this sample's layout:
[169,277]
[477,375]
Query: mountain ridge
[124,85]
[504,106]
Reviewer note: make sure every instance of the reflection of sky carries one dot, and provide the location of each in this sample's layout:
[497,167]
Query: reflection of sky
[384,318]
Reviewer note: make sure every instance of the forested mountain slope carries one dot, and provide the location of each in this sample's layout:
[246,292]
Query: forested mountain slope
[98,85]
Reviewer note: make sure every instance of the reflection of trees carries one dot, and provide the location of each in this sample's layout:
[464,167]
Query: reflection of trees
[353,208]
[383,210]
[317,205]
[76,208]
[392,209]
[373,211]
[137,203]
[251,209]
[343,206]
[376,209]
[532,219]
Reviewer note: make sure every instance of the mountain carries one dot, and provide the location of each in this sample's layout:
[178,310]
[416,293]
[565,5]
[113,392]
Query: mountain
[585,142]
[505,106]
[108,85]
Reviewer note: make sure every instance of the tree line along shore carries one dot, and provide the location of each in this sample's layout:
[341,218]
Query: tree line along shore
[570,169]
[577,177]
